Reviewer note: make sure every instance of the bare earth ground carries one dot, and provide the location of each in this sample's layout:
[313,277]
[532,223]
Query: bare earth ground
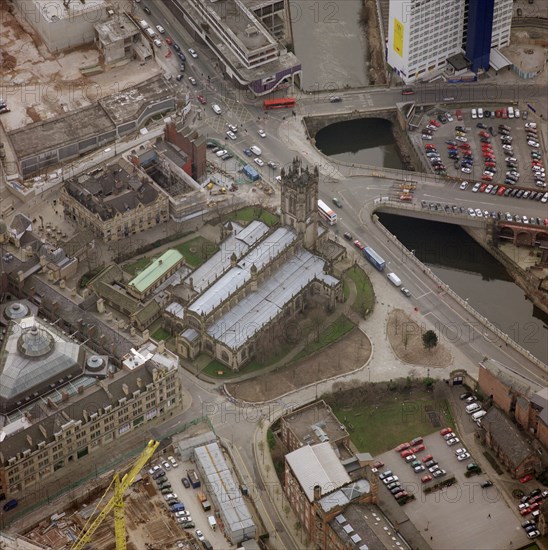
[348,354]
[405,337]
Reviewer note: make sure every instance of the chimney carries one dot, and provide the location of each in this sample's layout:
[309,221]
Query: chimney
[317,492]
[161,347]
[29,441]
[139,383]
[65,396]
[85,414]
[125,389]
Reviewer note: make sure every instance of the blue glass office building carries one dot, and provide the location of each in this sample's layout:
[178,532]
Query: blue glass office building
[479,33]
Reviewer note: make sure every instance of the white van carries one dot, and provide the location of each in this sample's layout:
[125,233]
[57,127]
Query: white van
[474,113]
[477,415]
[255,150]
[150,32]
[216,109]
[144,25]
[474,407]
[212,522]
[394,279]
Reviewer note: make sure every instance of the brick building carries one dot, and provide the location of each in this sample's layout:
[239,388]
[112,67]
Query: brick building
[510,446]
[319,490]
[522,400]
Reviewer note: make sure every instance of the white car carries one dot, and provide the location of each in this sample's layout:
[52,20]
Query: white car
[449,117]
[216,109]
[221,152]
[232,128]
[169,496]
[530,124]
[157,43]
[154,469]
[476,187]
[279,179]
[489,187]
[231,135]
[199,535]
[460,451]
[456,440]
[471,213]
[261,133]
[161,29]
[182,514]
[507,147]
[192,80]
[463,185]
[533,144]
[173,461]
[258,161]
[466,170]
[192,53]
[461,138]
[479,213]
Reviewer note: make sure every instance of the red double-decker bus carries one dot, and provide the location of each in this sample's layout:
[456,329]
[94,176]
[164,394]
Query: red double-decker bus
[280,103]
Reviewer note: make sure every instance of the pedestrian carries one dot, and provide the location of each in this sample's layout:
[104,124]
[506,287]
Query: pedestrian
[489,516]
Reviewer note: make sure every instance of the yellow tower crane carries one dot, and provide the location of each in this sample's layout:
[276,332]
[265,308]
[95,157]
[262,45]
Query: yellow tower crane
[116,502]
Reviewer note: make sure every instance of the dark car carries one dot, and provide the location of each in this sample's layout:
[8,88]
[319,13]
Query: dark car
[146,10]
[185,482]
[348,236]
[158,474]
[335,99]
[481,125]
[176,47]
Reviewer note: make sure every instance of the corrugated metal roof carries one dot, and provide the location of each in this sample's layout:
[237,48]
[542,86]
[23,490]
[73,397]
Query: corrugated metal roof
[258,308]
[317,465]
[237,243]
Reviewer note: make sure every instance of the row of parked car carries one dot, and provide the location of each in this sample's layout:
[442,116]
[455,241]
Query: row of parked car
[530,504]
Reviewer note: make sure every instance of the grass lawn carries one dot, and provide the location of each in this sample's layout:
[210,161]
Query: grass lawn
[376,428]
[251,213]
[133,268]
[214,367]
[197,250]
[160,334]
[365,298]
[329,335]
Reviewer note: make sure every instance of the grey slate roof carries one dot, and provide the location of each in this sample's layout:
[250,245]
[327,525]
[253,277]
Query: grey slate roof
[507,437]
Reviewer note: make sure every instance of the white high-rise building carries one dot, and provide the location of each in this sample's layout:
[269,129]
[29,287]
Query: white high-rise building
[422,34]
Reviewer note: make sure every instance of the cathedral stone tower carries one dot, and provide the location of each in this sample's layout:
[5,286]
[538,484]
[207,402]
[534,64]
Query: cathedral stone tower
[300,202]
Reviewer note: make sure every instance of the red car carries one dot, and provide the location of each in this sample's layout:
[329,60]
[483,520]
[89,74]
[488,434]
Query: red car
[501,190]
[497,113]
[418,448]
[426,478]
[446,431]
[458,112]
[487,178]
[201,99]
[378,464]
[525,479]
[427,458]
[525,511]
[402,446]
[435,123]
[483,187]
[169,41]
[358,244]
[406,453]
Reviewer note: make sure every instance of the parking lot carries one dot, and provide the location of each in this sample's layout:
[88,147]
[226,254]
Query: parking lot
[189,497]
[462,516]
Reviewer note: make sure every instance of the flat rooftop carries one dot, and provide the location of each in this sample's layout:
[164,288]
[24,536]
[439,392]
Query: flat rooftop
[304,423]
[61,130]
[55,10]
[119,28]
[240,23]
[126,105]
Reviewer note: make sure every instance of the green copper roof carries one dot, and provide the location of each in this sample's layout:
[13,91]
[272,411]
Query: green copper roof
[156,270]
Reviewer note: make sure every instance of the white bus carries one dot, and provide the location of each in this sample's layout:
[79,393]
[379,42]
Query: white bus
[326,213]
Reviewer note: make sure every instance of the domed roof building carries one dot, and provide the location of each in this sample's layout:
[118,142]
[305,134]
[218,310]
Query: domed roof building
[34,358]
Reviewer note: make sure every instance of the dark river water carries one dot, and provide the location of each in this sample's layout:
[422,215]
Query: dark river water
[448,250]
[475,276]
[364,141]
